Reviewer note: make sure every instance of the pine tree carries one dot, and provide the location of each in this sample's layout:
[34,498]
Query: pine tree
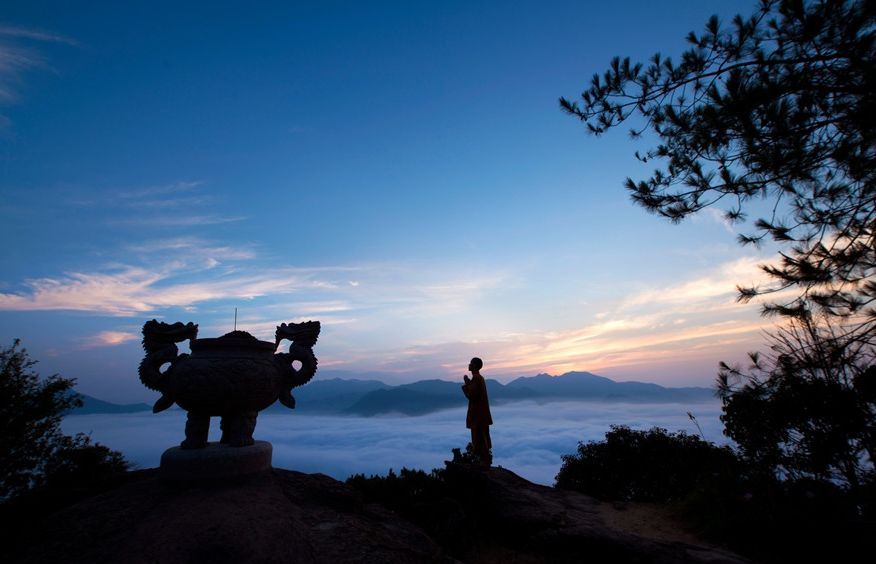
[779,106]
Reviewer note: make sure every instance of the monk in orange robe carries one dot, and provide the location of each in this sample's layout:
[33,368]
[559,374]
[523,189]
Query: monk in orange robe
[478,418]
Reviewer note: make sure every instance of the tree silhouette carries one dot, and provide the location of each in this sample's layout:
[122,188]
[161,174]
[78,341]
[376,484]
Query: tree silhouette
[806,410]
[34,452]
[780,106]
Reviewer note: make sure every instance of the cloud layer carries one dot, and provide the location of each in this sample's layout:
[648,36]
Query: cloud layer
[528,438]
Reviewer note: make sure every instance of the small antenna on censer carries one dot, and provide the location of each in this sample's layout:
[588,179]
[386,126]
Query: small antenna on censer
[235,319]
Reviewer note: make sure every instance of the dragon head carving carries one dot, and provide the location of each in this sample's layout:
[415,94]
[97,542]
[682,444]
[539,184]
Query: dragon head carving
[158,335]
[302,334]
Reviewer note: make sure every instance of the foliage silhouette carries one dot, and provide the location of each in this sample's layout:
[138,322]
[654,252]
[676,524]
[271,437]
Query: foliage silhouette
[721,495]
[434,501]
[807,410]
[652,465]
[36,457]
[781,106]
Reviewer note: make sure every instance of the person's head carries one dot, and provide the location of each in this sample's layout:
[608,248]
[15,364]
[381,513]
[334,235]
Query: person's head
[476,364]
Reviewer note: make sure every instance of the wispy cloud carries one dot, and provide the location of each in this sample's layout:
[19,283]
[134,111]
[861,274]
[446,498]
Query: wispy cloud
[717,216]
[181,220]
[125,292]
[161,206]
[423,319]
[177,203]
[108,339]
[128,290]
[691,353]
[264,329]
[696,321]
[180,187]
[145,196]
[16,59]
[716,287]
[193,247]
[35,34]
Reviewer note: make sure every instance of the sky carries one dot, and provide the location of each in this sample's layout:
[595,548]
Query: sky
[399,171]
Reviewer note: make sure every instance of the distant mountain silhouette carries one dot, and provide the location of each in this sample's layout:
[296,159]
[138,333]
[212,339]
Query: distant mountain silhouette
[367,397]
[587,386]
[427,396]
[405,401]
[91,405]
[432,395]
[333,395]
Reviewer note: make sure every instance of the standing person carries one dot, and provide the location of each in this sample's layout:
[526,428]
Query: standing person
[478,418]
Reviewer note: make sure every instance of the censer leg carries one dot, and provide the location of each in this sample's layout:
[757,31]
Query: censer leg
[197,429]
[249,421]
[226,425]
[237,429]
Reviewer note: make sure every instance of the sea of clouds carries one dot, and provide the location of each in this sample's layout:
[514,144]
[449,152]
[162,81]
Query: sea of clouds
[528,437]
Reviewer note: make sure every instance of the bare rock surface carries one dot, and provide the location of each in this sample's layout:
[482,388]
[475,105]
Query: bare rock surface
[280,516]
[287,516]
[547,524]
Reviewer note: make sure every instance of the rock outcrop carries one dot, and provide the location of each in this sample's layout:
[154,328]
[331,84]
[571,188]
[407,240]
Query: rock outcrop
[286,516]
[280,516]
[545,524]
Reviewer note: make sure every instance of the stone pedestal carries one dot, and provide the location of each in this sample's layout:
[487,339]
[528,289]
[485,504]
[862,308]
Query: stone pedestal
[215,462]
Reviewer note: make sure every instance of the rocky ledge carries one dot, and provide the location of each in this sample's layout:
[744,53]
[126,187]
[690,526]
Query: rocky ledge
[287,516]
[533,523]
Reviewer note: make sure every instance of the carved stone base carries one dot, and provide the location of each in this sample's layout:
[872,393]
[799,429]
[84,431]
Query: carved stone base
[215,462]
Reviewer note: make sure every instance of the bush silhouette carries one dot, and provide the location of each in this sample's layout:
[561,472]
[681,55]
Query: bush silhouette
[449,511]
[36,457]
[652,465]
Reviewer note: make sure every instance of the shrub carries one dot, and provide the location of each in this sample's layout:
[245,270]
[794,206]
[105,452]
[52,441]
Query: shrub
[34,453]
[652,465]
[427,499]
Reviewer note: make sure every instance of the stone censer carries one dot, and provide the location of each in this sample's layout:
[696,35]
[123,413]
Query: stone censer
[232,377]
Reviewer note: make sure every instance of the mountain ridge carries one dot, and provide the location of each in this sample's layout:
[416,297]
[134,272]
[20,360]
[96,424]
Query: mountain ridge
[92,405]
[367,397]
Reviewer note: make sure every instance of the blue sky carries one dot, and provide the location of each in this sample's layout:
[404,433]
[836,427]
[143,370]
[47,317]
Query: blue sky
[399,171]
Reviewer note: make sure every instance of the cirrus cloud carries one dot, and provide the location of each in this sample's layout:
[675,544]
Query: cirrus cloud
[16,59]
[109,339]
[133,290]
[422,319]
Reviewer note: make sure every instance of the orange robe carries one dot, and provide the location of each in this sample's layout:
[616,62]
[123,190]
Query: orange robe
[478,403]
[478,418]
